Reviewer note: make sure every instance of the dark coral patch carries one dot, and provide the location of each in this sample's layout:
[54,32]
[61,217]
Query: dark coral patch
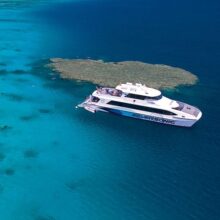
[28,117]
[21,80]
[3,64]
[72,186]
[12,96]
[55,143]
[18,71]
[30,153]
[9,171]
[75,184]
[44,218]
[2,156]
[5,127]
[17,50]
[45,111]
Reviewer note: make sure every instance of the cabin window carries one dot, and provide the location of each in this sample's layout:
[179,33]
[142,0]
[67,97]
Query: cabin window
[94,99]
[154,98]
[180,107]
[142,97]
[134,96]
[141,108]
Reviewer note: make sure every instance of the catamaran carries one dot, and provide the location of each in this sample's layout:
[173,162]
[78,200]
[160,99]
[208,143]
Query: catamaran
[141,102]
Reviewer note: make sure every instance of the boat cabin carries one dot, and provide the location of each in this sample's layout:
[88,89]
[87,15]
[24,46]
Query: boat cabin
[139,91]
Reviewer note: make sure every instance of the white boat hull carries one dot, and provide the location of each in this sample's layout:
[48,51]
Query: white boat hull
[159,119]
[142,103]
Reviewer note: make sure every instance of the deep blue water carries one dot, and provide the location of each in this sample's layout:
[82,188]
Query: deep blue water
[60,163]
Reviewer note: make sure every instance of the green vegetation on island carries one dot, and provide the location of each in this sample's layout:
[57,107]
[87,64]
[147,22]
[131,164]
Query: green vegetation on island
[112,73]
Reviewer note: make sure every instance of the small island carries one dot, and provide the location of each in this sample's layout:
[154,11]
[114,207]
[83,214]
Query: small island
[112,73]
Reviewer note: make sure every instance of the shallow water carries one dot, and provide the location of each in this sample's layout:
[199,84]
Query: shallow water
[61,163]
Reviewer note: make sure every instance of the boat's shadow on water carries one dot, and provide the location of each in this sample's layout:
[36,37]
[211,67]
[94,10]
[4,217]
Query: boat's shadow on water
[135,129]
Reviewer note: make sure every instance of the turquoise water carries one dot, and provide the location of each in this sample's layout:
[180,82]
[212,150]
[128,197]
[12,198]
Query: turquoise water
[57,162]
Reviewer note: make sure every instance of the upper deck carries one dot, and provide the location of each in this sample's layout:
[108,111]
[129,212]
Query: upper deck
[154,96]
[138,89]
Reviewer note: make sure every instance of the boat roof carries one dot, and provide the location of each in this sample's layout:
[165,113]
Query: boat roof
[138,89]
